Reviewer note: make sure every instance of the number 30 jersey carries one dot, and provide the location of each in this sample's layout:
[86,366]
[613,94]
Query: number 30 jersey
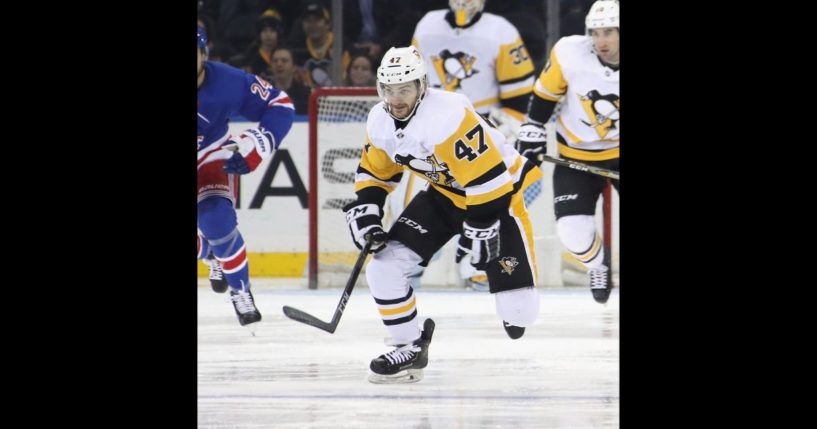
[487,61]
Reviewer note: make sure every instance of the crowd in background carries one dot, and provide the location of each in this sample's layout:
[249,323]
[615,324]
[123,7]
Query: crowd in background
[289,42]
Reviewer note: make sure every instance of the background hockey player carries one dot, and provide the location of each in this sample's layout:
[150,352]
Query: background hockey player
[583,71]
[223,91]
[475,190]
[481,56]
[478,54]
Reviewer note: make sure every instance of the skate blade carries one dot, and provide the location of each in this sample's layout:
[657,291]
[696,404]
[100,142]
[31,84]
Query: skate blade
[405,376]
[252,328]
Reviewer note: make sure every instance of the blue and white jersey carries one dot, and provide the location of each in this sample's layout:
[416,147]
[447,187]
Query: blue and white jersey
[226,91]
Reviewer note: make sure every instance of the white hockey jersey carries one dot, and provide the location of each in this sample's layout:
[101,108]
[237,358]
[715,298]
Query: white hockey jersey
[589,116]
[448,144]
[486,61]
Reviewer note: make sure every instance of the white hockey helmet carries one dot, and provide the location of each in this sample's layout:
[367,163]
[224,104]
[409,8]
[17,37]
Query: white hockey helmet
[603,14]
[402,65]
[465,10]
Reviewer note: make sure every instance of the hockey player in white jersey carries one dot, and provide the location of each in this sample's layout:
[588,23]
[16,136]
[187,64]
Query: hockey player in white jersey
[475,189]
[583,72]
[482,56]
[478,54]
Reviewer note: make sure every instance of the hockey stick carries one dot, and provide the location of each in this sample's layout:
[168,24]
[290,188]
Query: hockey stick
[300,316]
[582,167]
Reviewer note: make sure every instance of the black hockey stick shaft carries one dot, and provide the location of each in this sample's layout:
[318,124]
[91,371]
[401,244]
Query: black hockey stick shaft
[300,316]
[610,174]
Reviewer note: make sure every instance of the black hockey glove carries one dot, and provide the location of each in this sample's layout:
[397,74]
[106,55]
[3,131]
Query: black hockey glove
[364,218]
[531,141]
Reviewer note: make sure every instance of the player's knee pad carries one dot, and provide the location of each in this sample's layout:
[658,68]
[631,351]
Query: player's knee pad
[216,218]
[519,307]
[388,271]
[577,232]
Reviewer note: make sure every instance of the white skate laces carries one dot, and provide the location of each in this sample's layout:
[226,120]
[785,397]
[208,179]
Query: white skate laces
[598,278]
[216,272]
[402,354]
[243,301]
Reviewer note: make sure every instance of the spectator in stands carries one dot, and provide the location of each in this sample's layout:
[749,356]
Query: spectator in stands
[360,71]
[285,77]
[314,52]
[374,26]
[259,54]
[571,16]
[236,21]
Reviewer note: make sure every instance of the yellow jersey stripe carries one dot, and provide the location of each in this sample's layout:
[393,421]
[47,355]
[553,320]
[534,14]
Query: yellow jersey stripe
[475,200]
[586,155]
[519,116]
[486,102]
[370,183]
[516,92]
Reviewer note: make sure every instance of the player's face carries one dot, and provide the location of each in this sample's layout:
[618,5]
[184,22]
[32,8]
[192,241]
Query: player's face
[400,98]
[605,42]
[199,61]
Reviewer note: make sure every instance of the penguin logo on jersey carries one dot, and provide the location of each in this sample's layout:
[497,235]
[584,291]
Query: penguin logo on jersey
[453,68]
[603,109]
[508,264]
[436,171]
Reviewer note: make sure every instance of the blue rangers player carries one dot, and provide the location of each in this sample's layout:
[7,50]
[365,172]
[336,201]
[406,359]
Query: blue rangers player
[222,92]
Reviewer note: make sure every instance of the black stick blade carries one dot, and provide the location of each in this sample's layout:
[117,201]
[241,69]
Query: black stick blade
[306,318]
